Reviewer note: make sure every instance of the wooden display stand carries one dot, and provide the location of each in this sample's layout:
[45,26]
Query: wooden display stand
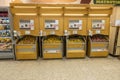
[75,23]
[25,22]
[99,15]
[51,23]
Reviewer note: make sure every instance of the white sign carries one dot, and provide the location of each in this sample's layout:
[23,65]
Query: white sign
[98,24]
[117,23]
[75,24]
[52,24]
[26,24]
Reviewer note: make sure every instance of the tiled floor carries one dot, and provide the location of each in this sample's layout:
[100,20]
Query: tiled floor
[66,69]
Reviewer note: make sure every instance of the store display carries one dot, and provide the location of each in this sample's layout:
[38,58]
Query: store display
[75,46]
[6,42]
[26,47]
[52,47]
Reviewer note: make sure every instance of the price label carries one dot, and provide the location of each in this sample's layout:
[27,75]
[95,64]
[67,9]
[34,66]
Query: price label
[52,32]
[98,31]
[27,32]
[75,32]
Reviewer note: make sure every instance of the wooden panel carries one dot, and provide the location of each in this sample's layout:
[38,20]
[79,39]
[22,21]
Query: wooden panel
[49,31]
[25,46]
[99,54]
[99,44]
[107,25]
[51,9]
[96,53]
[100,11]
[80,32]
[24,55]
[76,9]
[52,46]
[17,19]
[52,55]
[74,45]
[75,54]
[23,8]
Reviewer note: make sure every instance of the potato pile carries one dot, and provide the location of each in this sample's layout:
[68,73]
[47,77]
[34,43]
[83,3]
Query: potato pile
[75,40]
[27,40]
[52,39]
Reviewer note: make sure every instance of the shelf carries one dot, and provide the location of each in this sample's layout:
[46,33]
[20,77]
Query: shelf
[5,37]
[4,17]
[8,50]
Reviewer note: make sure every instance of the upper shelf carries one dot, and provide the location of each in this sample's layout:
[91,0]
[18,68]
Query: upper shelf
[62,9]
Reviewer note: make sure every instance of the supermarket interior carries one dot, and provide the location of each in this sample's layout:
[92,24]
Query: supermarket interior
[59,39]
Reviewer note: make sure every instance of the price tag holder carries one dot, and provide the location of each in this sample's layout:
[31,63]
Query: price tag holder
[52,32]
[75,32]
[27,32]
[98,31]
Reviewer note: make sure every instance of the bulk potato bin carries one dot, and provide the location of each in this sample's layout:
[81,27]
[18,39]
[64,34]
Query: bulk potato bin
[75,30]
[51,30]
[98,30]
[25,21]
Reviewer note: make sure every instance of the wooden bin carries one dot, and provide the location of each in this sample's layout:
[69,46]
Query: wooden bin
[26,51]
[76,50]
[94,46]
[52,50]
[51,19]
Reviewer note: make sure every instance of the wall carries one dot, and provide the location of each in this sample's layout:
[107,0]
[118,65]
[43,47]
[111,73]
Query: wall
[6,2]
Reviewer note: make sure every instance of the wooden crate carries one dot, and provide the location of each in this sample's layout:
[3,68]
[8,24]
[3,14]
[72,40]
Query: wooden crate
[99,54]
[26,51]
[52,50]
[91,46]
[76,50]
